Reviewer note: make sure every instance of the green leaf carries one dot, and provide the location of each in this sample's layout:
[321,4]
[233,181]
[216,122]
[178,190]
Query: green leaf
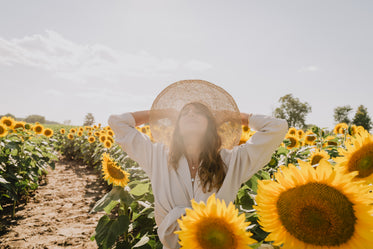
[110,206]
[117,193]
[140,189]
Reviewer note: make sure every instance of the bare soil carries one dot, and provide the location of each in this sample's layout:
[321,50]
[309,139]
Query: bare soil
[56,215]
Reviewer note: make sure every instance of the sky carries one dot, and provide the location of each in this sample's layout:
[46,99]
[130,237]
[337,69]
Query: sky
[64,59]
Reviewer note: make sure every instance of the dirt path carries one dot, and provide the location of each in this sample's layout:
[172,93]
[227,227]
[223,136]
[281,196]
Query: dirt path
[57,215]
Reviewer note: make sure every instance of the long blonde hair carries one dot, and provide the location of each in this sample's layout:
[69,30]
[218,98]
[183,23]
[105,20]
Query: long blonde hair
[212,169]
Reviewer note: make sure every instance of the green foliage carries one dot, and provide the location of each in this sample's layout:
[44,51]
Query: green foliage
[24,158]
[362,118]
[293,111]
[341,114]
[89,119]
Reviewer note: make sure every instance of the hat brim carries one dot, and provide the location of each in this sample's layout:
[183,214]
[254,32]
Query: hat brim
[167,105]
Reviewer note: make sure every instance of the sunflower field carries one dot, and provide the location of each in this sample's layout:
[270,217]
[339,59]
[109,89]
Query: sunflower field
[315,192]
[26,151]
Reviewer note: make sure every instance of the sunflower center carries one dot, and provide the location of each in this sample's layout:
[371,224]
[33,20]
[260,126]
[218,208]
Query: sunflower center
[311,138]
[316,159]
[214,233]
[362,161]
[317,214]
[293,142]
[114,171]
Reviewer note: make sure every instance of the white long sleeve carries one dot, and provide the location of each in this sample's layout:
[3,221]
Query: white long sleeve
[137,145]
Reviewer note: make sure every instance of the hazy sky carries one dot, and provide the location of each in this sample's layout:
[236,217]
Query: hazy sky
[63,59]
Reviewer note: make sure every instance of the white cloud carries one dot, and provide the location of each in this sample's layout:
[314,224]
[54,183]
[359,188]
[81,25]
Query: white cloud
[82,62]
[309,69]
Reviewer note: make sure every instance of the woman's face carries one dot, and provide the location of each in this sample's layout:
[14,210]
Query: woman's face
[192,122]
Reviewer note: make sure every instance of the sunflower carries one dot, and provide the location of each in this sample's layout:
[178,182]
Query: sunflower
[330,141]
[102,138]
[97,134]
[310,137]
[110,138]
[318,155]
[360,129]
[294,142]
[91,139]
[7,121]
[72,130]
[70,136]
[358,156]
[213,225]
[38,129]
[315,208]
[110,133]
[245,135]
[292,131]
[79,133]
[340,128]
[300,133]
[107,144]
[62,131]
[3,130]
[112,172]
[48,132]
[353,130]
[18,125]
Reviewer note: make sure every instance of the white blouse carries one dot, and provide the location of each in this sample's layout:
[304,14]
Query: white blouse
[173,190]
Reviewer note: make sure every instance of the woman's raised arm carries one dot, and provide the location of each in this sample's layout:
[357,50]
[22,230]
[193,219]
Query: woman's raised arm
[137,145]
[141,117]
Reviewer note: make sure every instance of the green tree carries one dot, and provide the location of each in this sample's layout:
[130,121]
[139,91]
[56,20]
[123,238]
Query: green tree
[293,110]
[362,118]
[89,119]
[35,118]
[341,114]
[8,115]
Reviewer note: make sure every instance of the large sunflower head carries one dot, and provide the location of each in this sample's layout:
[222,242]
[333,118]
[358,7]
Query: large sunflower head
[113,172]
[319,208]
[213,225]
[358,156]
[62,131]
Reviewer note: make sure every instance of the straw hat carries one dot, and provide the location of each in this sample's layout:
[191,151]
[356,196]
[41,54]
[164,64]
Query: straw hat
[167,105]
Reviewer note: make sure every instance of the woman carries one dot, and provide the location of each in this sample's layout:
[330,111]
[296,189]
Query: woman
[195,165]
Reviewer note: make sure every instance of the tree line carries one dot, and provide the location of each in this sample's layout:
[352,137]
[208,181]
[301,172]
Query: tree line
[295,112]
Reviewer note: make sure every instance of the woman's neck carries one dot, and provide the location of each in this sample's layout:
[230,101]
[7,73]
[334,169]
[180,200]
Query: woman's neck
[192,153]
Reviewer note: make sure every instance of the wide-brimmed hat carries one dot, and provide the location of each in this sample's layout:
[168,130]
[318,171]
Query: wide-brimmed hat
[168,104]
